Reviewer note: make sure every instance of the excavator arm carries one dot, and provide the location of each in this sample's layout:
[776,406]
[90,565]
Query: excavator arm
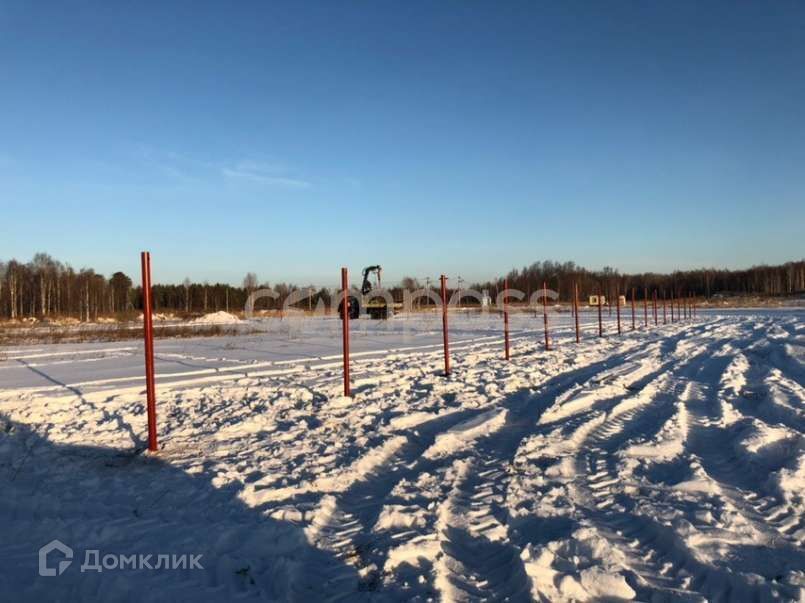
[375,308]
[366,287]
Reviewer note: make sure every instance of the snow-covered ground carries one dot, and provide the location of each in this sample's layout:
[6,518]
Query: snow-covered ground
[667,463]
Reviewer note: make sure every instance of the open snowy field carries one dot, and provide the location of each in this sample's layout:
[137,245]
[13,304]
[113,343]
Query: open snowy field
[667,463]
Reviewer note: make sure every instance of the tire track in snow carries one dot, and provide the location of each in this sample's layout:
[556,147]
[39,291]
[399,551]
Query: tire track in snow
[343,524]
[662,562]
[741,482]
[480,561]
[738,481]
[761,399]
[754,365]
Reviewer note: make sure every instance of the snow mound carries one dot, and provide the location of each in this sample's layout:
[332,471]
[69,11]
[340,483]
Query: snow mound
[216,318]
[157,316]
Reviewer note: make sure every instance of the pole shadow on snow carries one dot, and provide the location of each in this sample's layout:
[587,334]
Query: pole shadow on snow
[108,417]
[121,503]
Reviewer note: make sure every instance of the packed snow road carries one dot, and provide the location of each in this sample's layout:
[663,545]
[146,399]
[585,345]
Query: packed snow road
[668,463]
[280,345]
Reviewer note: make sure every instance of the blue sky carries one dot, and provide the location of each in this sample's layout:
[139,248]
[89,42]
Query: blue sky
[292,138]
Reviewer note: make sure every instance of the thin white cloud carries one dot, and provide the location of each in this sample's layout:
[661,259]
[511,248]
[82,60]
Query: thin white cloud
[173,165]
[184,167]
[264,173]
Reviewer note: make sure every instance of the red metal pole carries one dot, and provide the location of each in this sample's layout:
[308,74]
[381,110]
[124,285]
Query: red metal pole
[656,322]
[443,280]
[545,313]
[618,306]
[645,306]
[672,305]
[664,311]
[148,332]
[506,316]
[576,309]
[633,309]
[600,325]
[345,328]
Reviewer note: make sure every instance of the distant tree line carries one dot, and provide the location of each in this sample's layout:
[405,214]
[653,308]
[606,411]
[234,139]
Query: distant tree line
[768,281]
[47,287]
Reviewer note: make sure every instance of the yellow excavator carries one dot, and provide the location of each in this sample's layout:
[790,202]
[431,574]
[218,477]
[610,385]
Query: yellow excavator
[376,307]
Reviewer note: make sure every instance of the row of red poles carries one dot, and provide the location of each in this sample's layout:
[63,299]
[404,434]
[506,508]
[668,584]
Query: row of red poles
[685,306]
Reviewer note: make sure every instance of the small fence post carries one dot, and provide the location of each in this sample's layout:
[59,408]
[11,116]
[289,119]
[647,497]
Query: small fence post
[506,317]
[633,309]
[443,280]
[656,322]
[545,313]
[576,309]
[345,328]
[645,306]
[148,333]
[664,314]
[618,306]
[672,306]
[600,324]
